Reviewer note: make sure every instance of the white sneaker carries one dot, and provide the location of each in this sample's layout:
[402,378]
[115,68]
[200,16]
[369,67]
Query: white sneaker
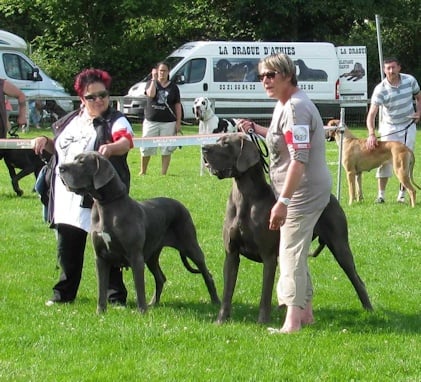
[400,199]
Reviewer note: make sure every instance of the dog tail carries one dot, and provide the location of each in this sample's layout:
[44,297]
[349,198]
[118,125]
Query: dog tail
[187,264]
[411,170]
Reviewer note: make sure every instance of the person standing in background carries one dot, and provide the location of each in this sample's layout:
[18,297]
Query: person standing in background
[10,90]
[162,115]
[395,95]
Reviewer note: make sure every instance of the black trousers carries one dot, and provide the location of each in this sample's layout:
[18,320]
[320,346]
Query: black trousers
[71,242]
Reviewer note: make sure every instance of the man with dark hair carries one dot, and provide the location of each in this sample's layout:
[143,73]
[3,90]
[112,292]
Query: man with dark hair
[395,95]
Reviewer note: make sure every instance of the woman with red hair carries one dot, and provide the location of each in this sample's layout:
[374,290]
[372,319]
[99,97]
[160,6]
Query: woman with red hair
[95,126]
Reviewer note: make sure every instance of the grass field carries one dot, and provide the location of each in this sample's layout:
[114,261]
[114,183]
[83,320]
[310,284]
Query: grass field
[178,341]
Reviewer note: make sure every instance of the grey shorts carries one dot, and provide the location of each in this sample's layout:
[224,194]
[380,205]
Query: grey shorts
[157,129]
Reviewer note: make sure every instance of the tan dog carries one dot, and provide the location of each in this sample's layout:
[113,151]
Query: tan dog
[356,158]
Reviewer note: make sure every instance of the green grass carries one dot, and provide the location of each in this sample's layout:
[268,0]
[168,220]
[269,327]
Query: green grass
[178,341]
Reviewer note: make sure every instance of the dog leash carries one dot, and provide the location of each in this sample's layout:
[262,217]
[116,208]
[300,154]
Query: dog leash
[261,147]
[399,131]
[173,114]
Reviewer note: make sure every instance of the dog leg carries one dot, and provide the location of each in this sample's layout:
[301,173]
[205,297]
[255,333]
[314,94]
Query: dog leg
[265,307]
[195,253]
[359,183]
[231,264]
[403,172]
[138,270]
[351,186]
[345,259]
[159,277]
[103,278]
[332,229]
[16,178]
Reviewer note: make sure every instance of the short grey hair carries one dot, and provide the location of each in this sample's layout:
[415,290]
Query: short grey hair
[282,64]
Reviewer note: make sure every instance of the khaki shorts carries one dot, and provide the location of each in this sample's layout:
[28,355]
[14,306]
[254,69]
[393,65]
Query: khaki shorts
[157,129]
[294,286]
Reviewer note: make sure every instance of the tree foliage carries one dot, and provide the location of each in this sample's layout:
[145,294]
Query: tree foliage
[126,37]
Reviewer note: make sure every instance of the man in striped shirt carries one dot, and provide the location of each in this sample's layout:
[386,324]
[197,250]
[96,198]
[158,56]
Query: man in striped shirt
[397,120]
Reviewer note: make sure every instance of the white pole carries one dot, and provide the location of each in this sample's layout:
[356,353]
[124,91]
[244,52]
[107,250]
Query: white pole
[379,45]
[341,131]
[380,49]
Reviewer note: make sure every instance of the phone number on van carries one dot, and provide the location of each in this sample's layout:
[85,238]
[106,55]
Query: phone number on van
[238,86]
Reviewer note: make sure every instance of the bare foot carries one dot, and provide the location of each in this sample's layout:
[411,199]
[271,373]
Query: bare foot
[281,331]
[307,317]
[292,321]
[287,329]
[308,321]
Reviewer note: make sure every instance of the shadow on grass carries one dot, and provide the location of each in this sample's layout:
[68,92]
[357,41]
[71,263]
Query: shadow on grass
[380,321]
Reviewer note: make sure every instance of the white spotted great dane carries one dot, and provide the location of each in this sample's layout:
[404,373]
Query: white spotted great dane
[210,123]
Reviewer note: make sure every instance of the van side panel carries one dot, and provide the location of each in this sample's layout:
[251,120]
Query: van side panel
[230,77]
[226,72]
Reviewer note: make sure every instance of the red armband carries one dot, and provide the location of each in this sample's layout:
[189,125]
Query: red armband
[299,137]
[123,134]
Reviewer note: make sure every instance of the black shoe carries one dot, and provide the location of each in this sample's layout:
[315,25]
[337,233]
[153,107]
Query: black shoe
[379,200]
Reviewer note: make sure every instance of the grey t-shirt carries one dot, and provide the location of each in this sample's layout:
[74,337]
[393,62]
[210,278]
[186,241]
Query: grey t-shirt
[296,132]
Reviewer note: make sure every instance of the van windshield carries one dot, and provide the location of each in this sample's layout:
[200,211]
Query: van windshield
[173,60]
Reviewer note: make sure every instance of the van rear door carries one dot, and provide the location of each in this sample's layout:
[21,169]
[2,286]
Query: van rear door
[353,75]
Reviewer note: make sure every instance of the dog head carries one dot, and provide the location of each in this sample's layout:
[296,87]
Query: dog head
[202,108]
[330,132]
[87,173]
[230,156]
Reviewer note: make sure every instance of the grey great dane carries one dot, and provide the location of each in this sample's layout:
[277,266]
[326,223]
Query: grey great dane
[128,233]
[246,229]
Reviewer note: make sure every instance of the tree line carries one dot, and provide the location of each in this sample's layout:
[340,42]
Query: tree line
[127,37]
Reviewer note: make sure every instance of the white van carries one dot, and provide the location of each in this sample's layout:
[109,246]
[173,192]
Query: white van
[226,72]
[17,68]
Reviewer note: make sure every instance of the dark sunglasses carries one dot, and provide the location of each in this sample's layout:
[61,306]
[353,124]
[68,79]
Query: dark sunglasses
[95,96]
[270,75]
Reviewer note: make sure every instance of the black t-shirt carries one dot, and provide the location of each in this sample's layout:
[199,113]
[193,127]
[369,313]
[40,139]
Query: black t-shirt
[157,108]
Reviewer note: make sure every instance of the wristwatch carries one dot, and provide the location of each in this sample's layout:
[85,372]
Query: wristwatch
[283,200]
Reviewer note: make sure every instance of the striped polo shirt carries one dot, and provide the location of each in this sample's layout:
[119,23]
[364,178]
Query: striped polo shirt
[397,101]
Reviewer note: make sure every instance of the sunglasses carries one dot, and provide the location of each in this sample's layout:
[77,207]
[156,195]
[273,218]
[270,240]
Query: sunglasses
[93,97]
[270,75]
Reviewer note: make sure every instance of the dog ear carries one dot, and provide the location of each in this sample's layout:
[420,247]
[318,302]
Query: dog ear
[249,155]
[104,173]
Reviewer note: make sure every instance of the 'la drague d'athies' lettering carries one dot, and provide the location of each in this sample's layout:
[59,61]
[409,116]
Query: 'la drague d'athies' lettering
[288,50]
[240,50]
[256,50]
